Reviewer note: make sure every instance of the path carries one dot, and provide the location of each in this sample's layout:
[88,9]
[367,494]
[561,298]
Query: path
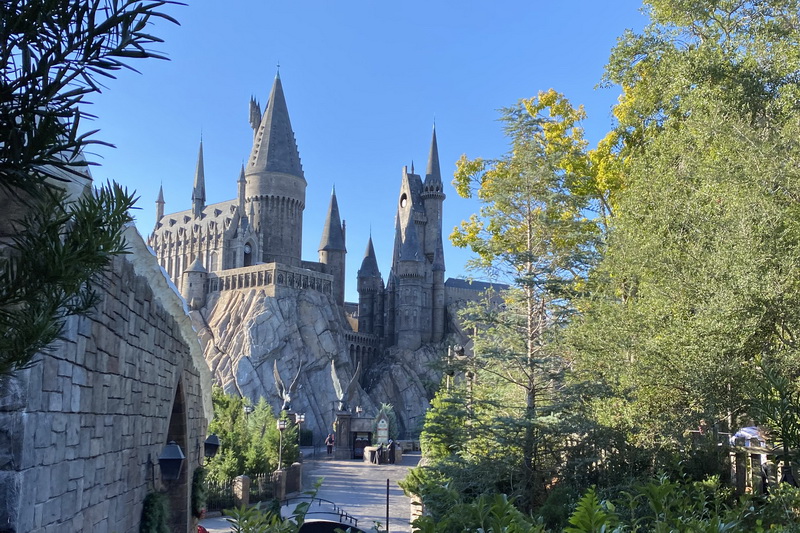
[358,488]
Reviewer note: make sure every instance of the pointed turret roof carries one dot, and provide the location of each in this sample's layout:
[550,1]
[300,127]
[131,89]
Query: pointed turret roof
[274,146]
[197,266]
[332,234]
[433,174]
[160,199]
[199,191]
[369,266]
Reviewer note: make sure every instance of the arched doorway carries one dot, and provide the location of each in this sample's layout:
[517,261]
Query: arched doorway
[178,491]
[248,254]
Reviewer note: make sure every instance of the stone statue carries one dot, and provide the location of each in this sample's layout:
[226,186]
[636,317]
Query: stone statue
[283,392]
[345,396]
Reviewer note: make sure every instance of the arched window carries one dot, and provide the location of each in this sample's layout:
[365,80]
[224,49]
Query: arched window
[213,263]
[248,255]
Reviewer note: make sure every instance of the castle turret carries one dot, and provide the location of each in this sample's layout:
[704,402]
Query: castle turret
[199,190]
[332,249]
[409,318]
[276,184]
[160,205]
[193,284]
[433,198]
[370,294]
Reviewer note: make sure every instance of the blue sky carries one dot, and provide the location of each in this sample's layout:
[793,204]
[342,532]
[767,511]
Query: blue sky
[364,82]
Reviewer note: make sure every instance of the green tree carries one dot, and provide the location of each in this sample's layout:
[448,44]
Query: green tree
[53,54]
[699,276]
[532,230]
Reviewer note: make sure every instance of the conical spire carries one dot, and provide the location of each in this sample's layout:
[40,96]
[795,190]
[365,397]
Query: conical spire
[332,234]
[433,175]
[274,146]
[199,191]
[242,184]
[369,266]
[160,204]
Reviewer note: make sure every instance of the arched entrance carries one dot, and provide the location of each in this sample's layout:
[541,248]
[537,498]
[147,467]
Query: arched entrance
[178,491]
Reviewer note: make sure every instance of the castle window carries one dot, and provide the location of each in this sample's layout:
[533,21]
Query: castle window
[248,255]
[403,200]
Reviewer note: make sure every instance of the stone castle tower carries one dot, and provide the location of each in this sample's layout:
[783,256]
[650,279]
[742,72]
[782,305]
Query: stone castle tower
[256,240]
[410,310]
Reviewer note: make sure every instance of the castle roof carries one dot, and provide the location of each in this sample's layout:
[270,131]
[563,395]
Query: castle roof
[433,175]
[369,266]
[214,218]
[332,234]
[197,266]
[473,285]
[160,199]
[274,146]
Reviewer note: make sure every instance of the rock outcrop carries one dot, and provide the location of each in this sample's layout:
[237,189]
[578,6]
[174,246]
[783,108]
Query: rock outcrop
[246,334]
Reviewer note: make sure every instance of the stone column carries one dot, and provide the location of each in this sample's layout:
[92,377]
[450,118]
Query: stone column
[344,446]
[241,491]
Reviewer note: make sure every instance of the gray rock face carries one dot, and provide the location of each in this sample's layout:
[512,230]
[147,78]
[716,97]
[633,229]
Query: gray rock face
[246,332]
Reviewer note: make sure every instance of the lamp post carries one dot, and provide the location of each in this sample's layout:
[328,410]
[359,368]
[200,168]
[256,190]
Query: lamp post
[281,427]
[299,418]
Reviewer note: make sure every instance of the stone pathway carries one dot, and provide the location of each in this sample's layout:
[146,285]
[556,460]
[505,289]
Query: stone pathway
[358,488]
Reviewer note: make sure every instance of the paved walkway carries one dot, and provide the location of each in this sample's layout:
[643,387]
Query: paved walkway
[357,487]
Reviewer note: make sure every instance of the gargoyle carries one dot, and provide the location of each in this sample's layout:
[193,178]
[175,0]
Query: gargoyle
[344,397]
[283,392]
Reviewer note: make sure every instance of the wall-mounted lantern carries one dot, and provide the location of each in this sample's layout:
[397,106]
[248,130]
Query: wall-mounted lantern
[211,446]
[171,461]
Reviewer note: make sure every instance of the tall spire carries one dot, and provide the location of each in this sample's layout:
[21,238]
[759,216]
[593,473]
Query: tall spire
[274,146]
[160,204]
[433,175]
[199,191]
[332,233]
[242,184]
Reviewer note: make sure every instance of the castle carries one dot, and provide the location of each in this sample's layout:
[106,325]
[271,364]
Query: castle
[255,241]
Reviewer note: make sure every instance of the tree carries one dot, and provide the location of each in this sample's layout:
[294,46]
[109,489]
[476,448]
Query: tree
[53,54]
[532,229]
[699,276]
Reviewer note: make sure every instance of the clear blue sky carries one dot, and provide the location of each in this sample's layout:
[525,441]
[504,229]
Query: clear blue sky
[364,81]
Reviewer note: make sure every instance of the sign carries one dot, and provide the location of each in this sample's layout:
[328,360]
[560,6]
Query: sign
[383,430]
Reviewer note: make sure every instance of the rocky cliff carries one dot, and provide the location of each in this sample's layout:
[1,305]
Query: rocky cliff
[245,333]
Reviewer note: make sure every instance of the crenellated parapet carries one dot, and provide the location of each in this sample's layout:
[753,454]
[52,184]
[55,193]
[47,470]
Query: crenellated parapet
[269,276]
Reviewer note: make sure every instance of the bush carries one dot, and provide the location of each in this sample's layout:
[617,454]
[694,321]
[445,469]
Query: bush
[155,514]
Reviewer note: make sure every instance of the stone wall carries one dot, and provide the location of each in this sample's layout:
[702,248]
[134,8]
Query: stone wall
[81,429]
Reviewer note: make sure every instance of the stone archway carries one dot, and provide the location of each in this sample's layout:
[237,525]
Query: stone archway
[178,491]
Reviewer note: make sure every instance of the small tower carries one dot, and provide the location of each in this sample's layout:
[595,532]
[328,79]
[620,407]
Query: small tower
[332,249]
[199,190]
[370,294]
[193,284]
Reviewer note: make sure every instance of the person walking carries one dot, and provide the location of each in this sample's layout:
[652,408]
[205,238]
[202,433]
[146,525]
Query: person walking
[329,443]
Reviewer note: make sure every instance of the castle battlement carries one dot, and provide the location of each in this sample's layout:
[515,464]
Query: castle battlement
[269,275]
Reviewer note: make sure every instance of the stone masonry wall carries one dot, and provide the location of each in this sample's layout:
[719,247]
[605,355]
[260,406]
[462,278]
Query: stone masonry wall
[82,428]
